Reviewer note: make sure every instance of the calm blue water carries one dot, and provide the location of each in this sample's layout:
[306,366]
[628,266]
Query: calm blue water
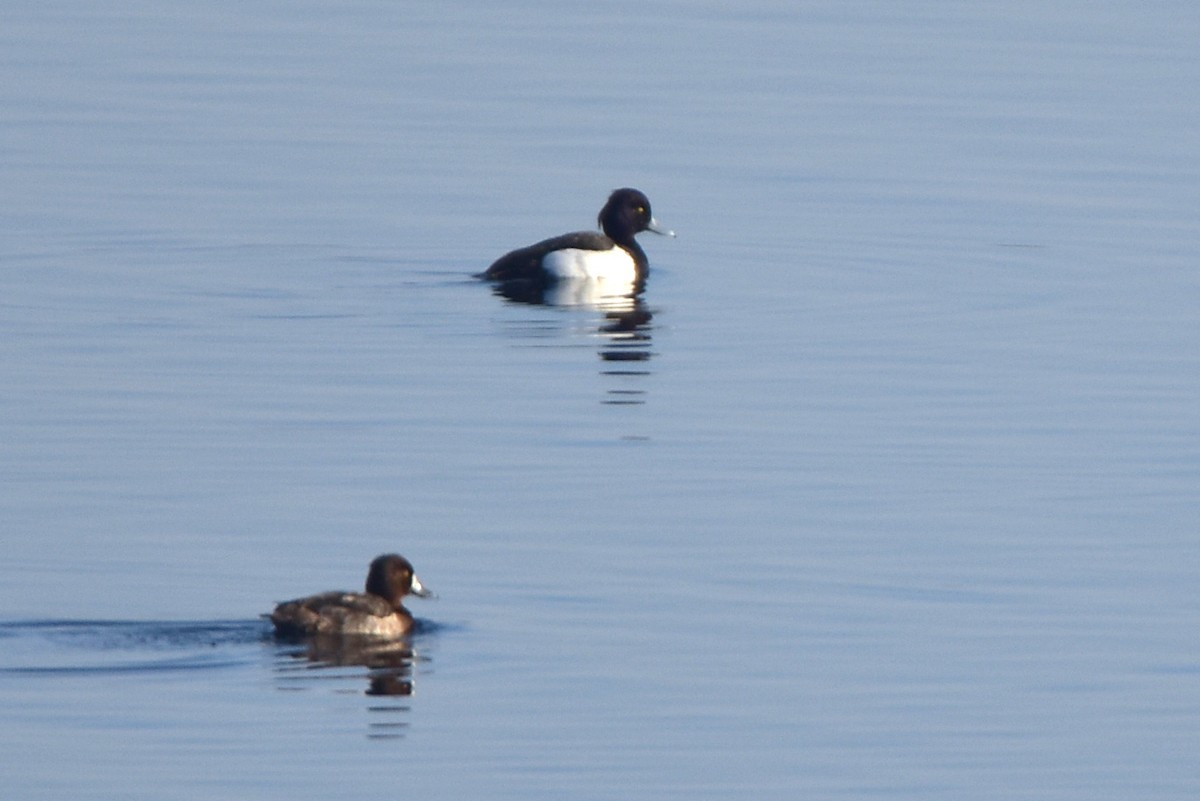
[892,493]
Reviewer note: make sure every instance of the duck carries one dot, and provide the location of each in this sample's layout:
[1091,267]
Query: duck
[376,614]
[612,256]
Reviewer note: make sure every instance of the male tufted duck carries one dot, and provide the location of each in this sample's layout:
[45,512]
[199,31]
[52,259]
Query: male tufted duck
[378,613]
[590,255]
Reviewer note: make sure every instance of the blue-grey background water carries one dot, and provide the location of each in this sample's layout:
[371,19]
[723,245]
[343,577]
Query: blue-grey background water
[894,495]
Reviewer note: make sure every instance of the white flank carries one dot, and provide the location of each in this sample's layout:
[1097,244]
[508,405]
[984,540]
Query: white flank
[614,265]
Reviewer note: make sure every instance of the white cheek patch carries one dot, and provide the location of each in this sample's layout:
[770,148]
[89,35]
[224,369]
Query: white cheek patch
[614,264]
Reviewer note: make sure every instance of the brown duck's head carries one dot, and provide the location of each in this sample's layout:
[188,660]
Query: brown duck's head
[392,577]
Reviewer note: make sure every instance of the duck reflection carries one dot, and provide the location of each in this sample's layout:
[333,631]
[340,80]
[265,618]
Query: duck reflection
[626,337]
[607,295]
[389,665]
[386,668]
[624,331]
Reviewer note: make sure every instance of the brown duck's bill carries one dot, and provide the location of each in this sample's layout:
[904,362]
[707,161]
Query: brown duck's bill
[418,589]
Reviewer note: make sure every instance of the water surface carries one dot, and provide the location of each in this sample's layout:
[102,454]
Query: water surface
[887,489]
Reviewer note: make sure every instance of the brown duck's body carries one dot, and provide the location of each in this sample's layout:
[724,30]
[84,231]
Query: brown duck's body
[377,613]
